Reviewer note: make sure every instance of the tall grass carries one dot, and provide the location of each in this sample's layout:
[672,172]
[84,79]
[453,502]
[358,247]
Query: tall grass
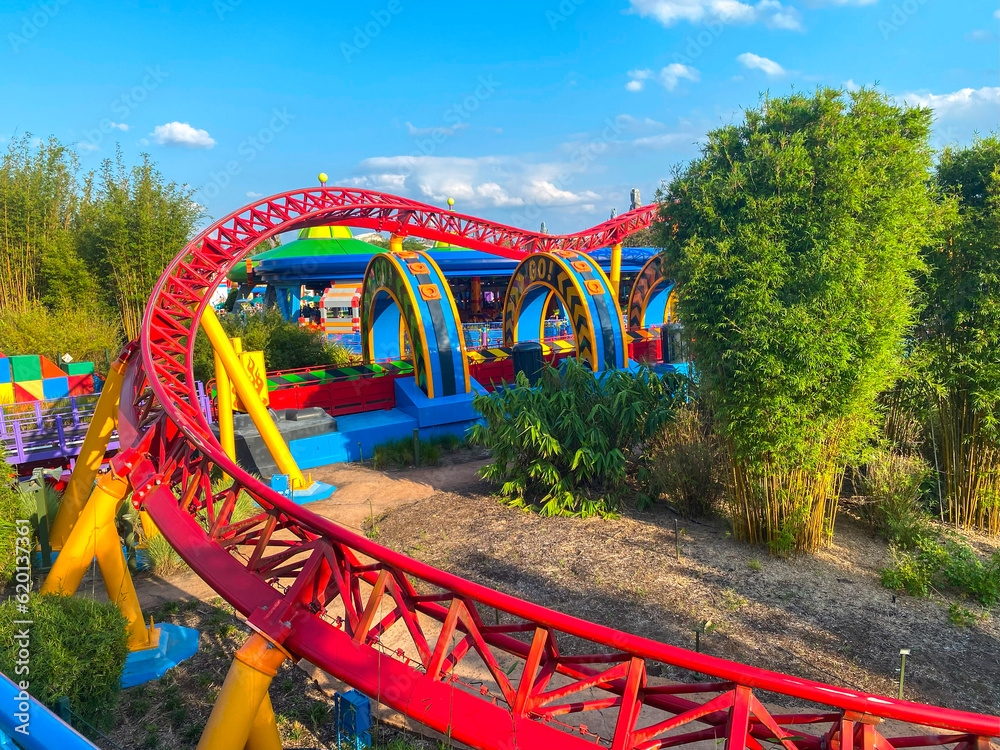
[687,465]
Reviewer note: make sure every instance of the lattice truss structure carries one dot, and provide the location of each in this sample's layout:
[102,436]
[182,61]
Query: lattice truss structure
[483,667]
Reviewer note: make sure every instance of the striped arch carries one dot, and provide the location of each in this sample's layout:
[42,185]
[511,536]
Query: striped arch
[404,296]
[586,296]
[652,300]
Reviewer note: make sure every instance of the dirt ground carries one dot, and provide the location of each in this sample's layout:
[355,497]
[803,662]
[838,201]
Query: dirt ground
[824,617]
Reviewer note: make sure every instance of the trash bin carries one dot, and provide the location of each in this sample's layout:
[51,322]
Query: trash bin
[528,359]
[671,344]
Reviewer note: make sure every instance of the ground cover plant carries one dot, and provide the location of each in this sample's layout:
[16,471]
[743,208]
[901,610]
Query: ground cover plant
[575,442]
[945,562]
[793,239]
[78,649]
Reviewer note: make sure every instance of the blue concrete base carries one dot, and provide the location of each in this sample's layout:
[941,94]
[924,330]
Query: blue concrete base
[431,412]
[358,434]
[316,491]
[177,643]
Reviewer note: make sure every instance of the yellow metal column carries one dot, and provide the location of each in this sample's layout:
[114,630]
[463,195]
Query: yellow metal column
[224,398]
[264,732]
[251,400]
[236,714]
[95,445]
[396,243]
[616,268]
[95,533]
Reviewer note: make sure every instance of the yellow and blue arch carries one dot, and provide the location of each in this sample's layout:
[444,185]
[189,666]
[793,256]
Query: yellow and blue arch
[404,296]
[652,300]
[586,295]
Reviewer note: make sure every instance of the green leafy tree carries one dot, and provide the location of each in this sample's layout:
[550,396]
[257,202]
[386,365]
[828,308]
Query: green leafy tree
[959,335]
[39,202]
[133,223]
[795,247]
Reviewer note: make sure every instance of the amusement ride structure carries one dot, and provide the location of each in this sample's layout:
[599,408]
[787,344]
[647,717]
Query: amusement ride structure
[400,631]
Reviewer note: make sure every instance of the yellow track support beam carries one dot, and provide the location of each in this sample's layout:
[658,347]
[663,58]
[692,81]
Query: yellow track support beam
[149,527]
[95,445]
[224,394]
[242,716]
[396,243]
[251,400]
[616,269]
[95,533]
[264,732]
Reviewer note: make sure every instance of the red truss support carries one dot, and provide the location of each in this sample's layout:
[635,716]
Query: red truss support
[488,669]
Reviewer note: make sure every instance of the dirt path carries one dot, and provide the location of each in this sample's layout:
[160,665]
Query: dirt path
[360,492]
[824,617]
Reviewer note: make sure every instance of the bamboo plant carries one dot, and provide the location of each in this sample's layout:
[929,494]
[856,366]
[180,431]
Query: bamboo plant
[793,239]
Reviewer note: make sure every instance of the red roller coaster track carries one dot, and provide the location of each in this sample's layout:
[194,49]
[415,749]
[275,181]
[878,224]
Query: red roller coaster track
[339,600]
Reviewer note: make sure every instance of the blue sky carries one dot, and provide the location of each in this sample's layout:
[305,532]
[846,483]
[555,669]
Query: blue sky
[521,111]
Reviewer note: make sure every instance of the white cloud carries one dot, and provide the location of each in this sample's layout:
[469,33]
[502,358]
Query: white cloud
[420,132]
[957,102]
[769,12]
[120,125]
[87,146]
[670,75]
[479,182]
[638,79]
[961,113]
[982,36]
[252,194]
[182,134]
[996,14]
[568,181]
[752,61]
[850,85]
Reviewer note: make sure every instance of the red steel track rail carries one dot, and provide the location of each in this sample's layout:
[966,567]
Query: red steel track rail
[408,634]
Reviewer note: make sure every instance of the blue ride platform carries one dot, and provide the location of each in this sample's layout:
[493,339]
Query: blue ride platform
[176,644]
[358,434]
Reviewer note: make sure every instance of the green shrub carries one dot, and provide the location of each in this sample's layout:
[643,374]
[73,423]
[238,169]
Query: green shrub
[35,329]
[686,464]
[77,649]
[574,444]
[952,564]
[891,484]
[285,344]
